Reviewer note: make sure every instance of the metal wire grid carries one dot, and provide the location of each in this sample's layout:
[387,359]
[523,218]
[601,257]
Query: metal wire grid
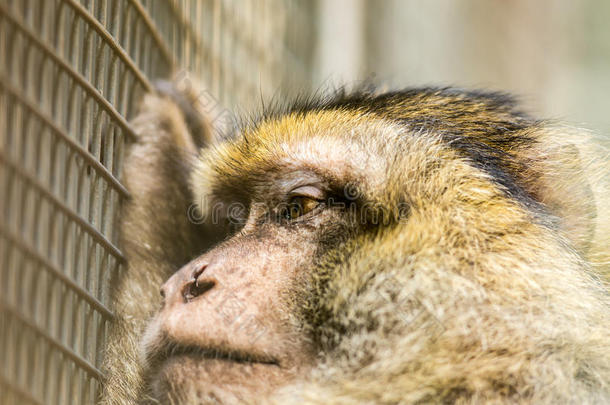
[244,50]
[70,74]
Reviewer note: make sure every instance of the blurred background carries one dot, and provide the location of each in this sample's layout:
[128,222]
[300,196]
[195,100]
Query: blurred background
[554,54]
[72,73]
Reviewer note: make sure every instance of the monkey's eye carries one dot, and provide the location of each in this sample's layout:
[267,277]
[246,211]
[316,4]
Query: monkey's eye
[299,206]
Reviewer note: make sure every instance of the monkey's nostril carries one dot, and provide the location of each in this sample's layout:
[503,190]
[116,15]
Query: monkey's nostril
[195,288]
[162,292]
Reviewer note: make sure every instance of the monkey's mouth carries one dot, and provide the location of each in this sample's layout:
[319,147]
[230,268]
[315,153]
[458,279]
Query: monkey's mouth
[171,351]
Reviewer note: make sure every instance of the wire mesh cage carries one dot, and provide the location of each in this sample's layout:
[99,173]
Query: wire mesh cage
[71,74]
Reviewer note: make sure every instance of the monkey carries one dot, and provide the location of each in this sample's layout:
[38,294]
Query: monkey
[424,245]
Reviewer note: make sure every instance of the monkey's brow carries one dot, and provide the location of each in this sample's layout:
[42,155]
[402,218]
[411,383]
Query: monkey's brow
[266,187]
[298,178]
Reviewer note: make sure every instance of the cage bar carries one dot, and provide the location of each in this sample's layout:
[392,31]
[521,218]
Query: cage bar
[71,75]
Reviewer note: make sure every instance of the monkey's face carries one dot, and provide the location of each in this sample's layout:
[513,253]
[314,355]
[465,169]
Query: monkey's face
[248,316]
[230,327]
[227,324]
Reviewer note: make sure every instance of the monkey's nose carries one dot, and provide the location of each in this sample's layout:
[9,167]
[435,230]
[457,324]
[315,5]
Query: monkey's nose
[197,285]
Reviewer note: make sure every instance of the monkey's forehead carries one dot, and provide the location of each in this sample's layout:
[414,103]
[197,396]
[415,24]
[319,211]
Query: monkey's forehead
[343,147]
[466,120]
[369,139]
[476,118]
[351,133]
[340,145]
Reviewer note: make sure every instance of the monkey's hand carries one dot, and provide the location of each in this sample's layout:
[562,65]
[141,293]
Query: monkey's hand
[158,237]
[172,127]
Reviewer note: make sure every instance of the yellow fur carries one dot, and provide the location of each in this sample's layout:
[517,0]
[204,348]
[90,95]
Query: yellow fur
[482,294]
[522,316]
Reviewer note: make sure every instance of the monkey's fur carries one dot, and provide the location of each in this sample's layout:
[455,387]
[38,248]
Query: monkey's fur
[491,288]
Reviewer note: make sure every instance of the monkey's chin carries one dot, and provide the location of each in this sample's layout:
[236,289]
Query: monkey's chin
[193,379]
